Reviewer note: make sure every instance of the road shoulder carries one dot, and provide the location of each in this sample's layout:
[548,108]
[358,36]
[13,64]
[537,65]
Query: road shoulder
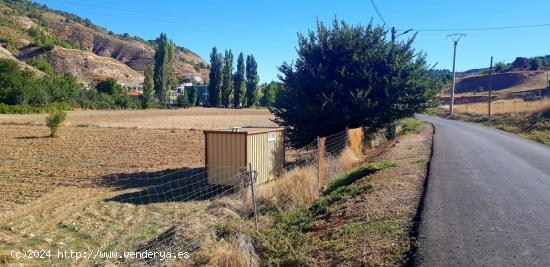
[378,226]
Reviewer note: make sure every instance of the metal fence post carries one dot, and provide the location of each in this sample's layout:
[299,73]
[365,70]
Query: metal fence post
[252,177]
[318,164]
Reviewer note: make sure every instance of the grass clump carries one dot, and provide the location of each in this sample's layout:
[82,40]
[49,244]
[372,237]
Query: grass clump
[294,189]
[54,121]
[542,136]
[410,126]
[357,173]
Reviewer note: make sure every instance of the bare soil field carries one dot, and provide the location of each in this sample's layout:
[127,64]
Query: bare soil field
[51,196]
[126,142]
[192,118]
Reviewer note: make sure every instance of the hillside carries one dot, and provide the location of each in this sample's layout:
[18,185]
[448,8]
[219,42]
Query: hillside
[7,55]
[506,82]
[27,27]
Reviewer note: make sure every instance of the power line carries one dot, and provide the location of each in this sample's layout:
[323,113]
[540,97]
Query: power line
[485,28]
[176,19]
[378,12]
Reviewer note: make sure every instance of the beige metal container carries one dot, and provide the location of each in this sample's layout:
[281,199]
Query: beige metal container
[229,151]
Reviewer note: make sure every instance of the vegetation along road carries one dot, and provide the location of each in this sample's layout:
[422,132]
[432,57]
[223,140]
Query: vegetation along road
[487,200]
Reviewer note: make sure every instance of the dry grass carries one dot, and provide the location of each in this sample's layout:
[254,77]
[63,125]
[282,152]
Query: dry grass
[237,252]
[348,159]
[504,106]
[339,164]
[301,186]
[295,188]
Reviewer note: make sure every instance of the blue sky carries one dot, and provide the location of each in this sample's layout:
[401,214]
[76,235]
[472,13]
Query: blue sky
[268,29]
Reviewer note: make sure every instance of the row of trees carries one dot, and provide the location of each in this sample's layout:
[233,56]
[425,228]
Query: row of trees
[228,88]
[26,92]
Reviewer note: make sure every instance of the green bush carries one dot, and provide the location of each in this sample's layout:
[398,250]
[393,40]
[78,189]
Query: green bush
[26,109]
[348,76]
[109,86]
[54,121]
[182,101]
[43,40]
[42,64]
[409,126]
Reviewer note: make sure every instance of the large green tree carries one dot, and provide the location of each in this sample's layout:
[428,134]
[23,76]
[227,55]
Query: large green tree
[239,82]
[350,76]
[269,93]
[252,80]
[227,78]
[109,86]
[163,74]
[215,77]
[148,89]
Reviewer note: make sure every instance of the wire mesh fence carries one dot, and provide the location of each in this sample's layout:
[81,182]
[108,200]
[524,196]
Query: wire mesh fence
[179,211]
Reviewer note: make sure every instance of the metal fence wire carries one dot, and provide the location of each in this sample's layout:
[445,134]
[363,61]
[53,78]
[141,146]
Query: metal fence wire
[180,211]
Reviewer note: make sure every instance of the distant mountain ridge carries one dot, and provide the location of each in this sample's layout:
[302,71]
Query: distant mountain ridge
[25,25]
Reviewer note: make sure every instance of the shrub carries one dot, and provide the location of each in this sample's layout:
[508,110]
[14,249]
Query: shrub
[54,121]
[535,63]
[109,86]
[350,76]
[409,126]
[42,64]
[182,101]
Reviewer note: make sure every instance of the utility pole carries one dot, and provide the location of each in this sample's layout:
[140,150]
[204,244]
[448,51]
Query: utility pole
[490,85]
[456,37]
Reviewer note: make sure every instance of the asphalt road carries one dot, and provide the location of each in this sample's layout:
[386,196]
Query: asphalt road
[487,200]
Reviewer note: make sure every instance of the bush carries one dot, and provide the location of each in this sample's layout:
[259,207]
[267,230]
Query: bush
[42,64]
[409,126]
[182,101]
[26,109]
[535,63]
[350,76]
[43,40]
[109,86]
[54,121]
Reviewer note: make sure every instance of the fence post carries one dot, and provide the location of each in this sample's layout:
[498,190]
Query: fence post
[252,177]
[318,163]
[347,137]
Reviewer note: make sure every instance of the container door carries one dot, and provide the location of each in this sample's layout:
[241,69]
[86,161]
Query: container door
[271,137]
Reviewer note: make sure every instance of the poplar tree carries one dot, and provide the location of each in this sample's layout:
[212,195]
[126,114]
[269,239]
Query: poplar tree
[163,74]
[252,80]
[239,82]
[227,86]
[215,77]
[148,89]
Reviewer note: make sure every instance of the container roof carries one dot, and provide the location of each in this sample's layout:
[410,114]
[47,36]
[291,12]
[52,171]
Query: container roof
[245,130]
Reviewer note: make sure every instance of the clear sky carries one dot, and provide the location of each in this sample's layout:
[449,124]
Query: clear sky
[268,29]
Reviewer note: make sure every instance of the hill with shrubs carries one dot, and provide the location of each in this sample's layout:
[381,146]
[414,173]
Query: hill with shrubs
[29,30]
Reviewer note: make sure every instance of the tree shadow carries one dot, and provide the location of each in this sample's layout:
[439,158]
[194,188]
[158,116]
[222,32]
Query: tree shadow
[171,185]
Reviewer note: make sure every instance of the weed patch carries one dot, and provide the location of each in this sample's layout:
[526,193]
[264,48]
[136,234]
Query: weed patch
[409,126]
